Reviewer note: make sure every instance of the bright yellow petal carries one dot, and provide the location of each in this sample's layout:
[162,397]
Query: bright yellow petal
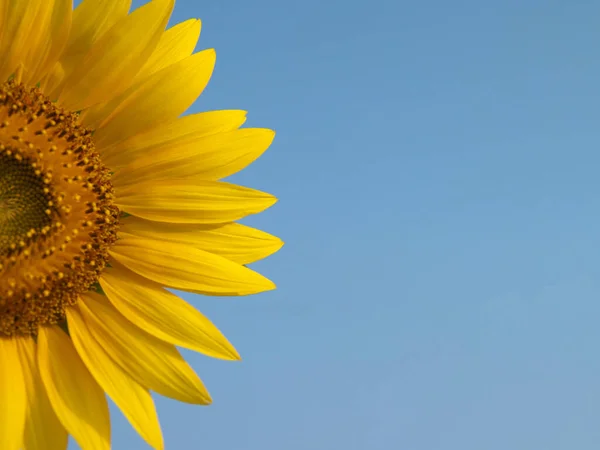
[52,32]
[162,314]
[13,400]
[191,201]
[155,364]
[174,133]
[132,399]
[176,43]
[16,17]
[163,96]
[234,241]
[187,268]
[75,396]
[113,61]
[34,34]
[19,18]
[52,80]
[210,158]
[43,430]
[91,19]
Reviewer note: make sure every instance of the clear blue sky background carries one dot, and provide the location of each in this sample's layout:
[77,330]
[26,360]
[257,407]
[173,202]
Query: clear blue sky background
[437,168]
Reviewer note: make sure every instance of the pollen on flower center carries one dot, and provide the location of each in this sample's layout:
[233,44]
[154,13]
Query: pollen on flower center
[57,217]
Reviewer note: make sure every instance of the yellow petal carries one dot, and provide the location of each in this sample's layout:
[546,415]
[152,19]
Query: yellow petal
[191,201]
[34,34]
[43,430]
[132,399]
[19,18]
[174,133]
[176,43]
[234,241]
[111,64]
[163,314]
[155,364]
[3,20]
[53,32]
[209,158]
[163,96]
[13,400]
[52,80]
[76,398]
[187,268]
[91,19]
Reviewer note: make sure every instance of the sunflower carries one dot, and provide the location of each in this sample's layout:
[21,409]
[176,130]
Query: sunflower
[109,197]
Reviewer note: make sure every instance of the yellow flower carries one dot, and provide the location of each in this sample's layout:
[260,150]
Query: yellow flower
[107,198]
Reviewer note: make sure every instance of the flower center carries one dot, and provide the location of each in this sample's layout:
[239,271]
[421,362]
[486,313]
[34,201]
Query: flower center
[57,217]
[23,200]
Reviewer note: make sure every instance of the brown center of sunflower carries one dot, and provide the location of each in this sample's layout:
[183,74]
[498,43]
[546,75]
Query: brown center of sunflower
[57,217]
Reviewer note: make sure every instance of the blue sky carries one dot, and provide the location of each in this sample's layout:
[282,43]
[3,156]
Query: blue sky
[436,164]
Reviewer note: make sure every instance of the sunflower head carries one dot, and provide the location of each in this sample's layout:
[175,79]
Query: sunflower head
[108,198]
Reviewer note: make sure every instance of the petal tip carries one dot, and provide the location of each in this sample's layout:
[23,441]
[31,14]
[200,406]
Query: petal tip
[235,356]
[279,244]
[204,398]
[269,286]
